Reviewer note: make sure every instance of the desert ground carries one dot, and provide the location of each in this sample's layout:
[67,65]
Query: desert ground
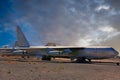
[58,69]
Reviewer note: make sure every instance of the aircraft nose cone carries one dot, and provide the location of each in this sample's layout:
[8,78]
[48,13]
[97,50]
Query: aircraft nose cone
[116,53]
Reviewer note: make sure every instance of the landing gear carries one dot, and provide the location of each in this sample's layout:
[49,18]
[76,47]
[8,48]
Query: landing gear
[25,54]
[89,60]
[48,58]
[22,56]
[83,60]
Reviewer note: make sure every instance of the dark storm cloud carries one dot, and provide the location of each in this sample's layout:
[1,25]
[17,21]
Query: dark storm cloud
[114,3]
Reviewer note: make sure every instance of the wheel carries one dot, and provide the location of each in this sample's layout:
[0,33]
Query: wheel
[48,58]
[44,57]
[81,60]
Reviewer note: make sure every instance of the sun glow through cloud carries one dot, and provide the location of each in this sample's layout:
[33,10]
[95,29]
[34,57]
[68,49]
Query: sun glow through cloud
[107,29]
[102,34]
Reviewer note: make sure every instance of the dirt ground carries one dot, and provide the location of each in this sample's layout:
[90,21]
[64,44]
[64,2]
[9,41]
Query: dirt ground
[16,69]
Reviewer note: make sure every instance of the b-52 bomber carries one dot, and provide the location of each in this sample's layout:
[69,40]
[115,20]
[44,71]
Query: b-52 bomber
[78,53]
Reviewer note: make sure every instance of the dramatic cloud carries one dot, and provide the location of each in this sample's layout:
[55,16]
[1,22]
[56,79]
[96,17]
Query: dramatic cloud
[66,22]
[102,7]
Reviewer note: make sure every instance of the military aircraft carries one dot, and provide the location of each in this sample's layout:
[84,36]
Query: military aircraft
[78,53]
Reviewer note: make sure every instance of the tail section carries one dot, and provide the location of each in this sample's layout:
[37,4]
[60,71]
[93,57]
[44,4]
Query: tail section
[21,39]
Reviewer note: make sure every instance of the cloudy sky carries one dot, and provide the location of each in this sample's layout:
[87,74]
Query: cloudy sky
[65,22]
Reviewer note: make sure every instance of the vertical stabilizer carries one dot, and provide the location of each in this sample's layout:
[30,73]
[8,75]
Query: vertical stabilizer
[21,39]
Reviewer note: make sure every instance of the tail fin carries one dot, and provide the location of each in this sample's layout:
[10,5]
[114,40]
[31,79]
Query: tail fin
[21,39]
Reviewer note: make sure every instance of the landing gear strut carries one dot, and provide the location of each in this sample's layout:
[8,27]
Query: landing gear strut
[89,60]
